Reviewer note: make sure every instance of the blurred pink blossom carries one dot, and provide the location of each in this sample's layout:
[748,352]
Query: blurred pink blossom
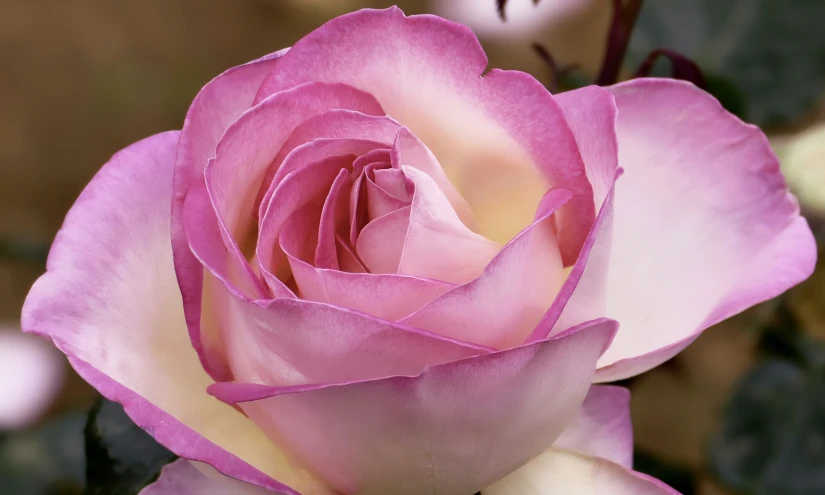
[31,373]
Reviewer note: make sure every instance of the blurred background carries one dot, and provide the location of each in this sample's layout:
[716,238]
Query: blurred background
[741,411]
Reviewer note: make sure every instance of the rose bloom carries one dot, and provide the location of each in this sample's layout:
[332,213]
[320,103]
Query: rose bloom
[367,265]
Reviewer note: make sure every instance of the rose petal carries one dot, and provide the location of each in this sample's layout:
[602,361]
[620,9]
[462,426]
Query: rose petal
[380,201]
[394,182]
[386,296]
[410,151]
[220,278]
[243,156]
[184,477]
[335,124]
[602,427]
[567,473]
[215,107]
[268,131]
[381,242]
[591,113]
[382,295]
[437,244]
[294,342]
[582,296]
[202,229]
[347,260]
[300,188]
[364,437]
[317,150]
[333,218]
[342,124]
[426,73]
[426,239]
[502,307]
[110,301]
[705,226]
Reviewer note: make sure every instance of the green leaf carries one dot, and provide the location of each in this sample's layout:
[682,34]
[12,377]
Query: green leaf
[771,52]
[772,437]
[46,460]
[121,458]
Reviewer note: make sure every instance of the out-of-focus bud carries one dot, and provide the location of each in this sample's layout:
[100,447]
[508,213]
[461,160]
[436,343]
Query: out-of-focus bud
[574,32]
[31,374]
[802,158]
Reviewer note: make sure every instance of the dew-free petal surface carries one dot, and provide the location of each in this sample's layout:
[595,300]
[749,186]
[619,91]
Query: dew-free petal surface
[110,301]
[602,427]
[364,437]
[215,107]
[426,73]
[562,472]
[183,477]
[704,223]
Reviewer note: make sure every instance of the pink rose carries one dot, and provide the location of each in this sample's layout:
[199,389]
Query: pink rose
[366,266]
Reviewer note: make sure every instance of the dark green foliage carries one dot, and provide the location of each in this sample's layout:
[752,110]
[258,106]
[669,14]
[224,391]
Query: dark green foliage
[772,436]
[121,458]
[772,439]
[47,460]
[767,54]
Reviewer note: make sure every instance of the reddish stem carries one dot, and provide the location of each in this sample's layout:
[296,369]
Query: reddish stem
[621,27]
[500,5]
[682,67]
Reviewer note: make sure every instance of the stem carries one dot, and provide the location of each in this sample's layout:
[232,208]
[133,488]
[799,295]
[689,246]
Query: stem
[624,18]
[681,67]
[553,85]
[500,4]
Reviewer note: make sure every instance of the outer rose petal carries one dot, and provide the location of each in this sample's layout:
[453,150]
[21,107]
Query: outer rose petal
[294,342]
[217,105]
[582,295]
[503,305]
[110,301]
[455,428]
[387,296]
[184,477]
[561,472]
[704,227]
[425,71]
[602,427]
[591,113]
